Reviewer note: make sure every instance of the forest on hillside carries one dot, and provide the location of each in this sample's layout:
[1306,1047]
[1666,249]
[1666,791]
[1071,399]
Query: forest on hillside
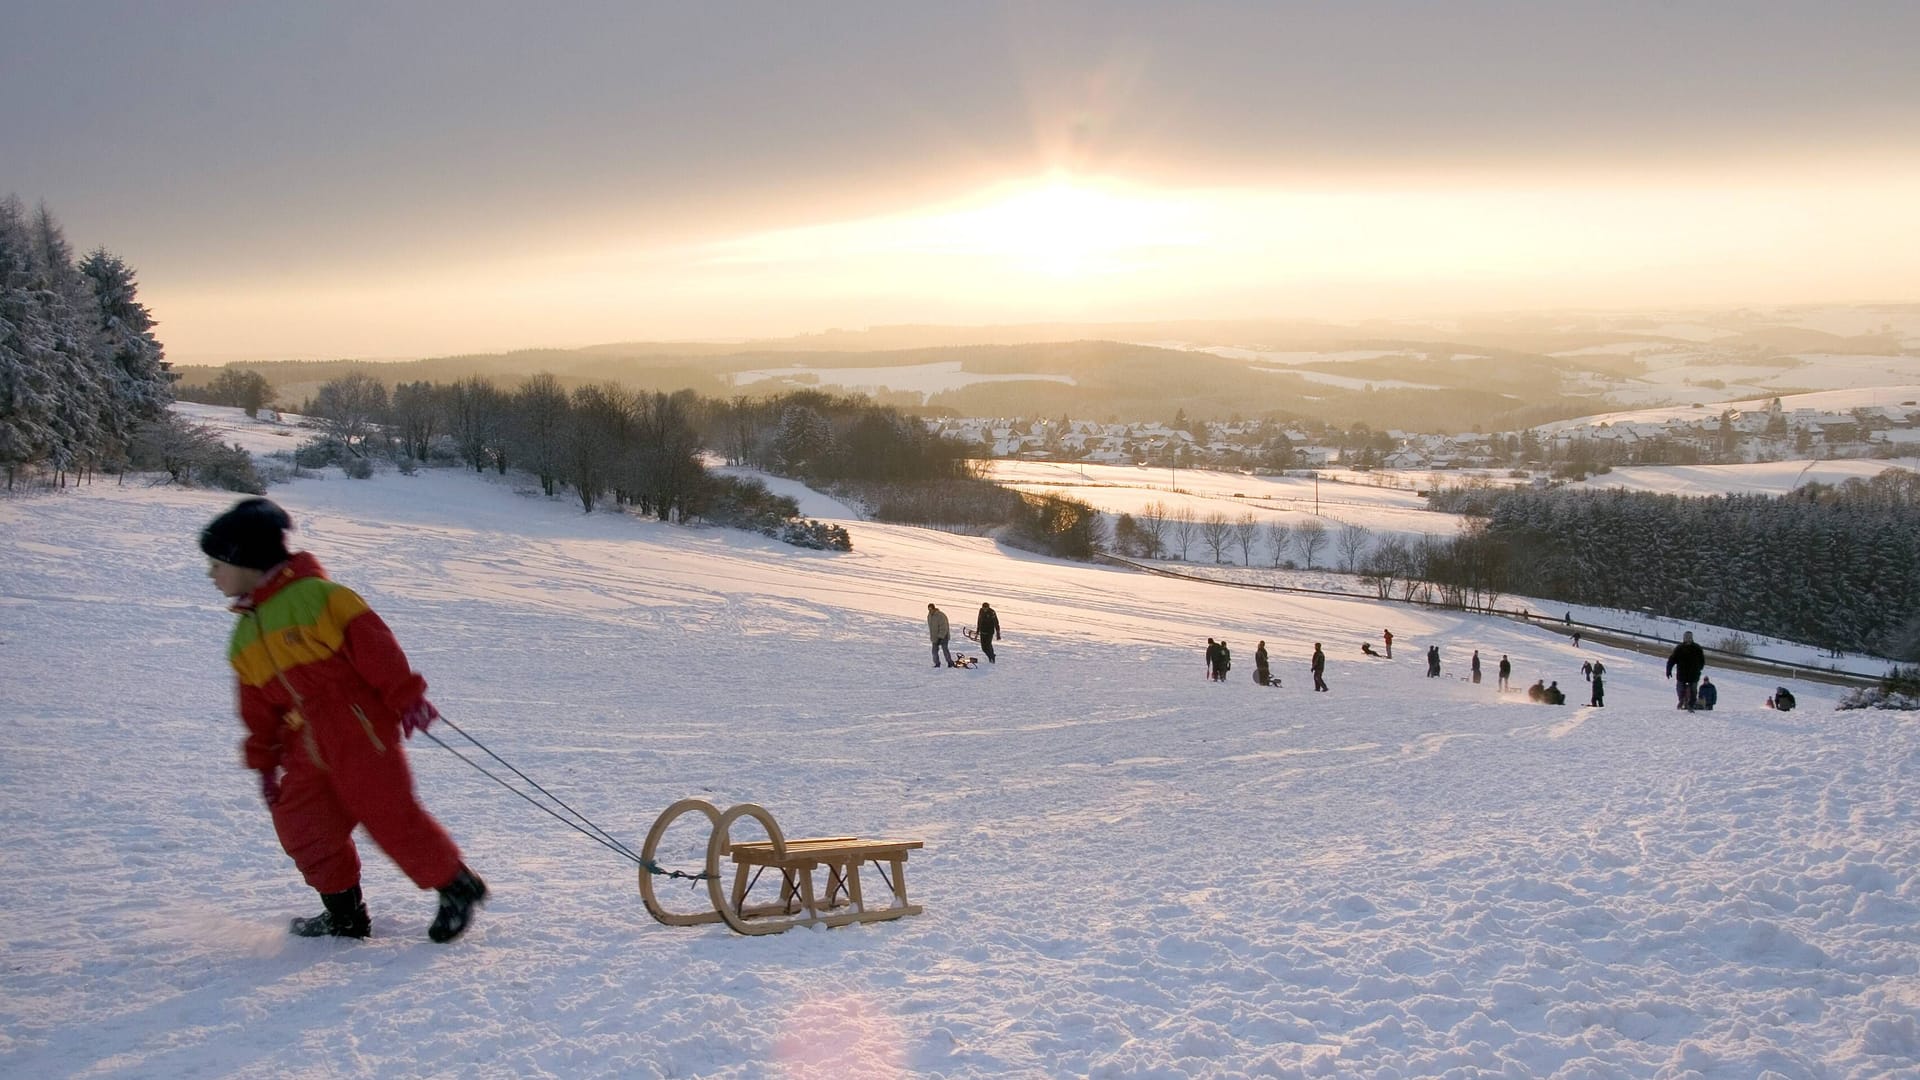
[83,380]
[1837,567]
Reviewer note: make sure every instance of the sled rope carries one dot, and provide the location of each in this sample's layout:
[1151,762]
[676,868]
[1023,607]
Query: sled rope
[591,831]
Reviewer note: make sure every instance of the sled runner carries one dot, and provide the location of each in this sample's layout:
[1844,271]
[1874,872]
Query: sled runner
[839,901]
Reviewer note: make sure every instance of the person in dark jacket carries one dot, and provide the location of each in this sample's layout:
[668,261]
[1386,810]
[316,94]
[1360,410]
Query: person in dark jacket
[1782,699]
[1506,672]
[1687,660]
[1262,674]
[1213,660]
[1554,695]
[1433,661]
[1708,694]
[987,627]
[1538,691]
[1475,665]
[1319,667]
[1599,699]
[327,695]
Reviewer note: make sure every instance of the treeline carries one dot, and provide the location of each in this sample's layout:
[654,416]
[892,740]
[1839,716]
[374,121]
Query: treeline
[82,377]
[601,441]
[891,464]
[1837,567]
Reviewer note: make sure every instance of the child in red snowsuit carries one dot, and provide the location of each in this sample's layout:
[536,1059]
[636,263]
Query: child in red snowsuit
[326,696]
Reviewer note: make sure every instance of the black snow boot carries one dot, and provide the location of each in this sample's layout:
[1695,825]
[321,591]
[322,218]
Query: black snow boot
[458,898]
[345,916]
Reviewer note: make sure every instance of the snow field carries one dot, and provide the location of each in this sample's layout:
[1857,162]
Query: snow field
[1129,871]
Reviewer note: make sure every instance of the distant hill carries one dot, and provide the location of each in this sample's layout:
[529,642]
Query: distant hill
[1492,372]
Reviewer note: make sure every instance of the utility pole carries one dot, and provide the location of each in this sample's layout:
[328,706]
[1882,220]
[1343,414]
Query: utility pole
[1316,494]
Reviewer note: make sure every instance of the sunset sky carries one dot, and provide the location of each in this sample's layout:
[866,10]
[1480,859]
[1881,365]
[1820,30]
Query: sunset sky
[301,180]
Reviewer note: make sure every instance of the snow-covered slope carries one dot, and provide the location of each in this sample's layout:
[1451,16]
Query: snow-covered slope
[1129,871]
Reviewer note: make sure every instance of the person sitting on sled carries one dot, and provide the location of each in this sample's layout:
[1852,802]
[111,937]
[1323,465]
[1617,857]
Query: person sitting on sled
[326,695]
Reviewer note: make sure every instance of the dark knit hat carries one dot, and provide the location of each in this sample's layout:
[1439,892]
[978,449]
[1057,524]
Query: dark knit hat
[252,534]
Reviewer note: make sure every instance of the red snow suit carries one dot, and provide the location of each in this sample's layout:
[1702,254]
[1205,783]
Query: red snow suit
[322,687]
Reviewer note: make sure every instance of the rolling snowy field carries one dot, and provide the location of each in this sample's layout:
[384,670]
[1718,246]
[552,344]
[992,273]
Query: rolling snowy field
[1129,871]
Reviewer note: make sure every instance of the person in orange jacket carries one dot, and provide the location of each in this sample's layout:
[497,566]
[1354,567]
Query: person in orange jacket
[326,695]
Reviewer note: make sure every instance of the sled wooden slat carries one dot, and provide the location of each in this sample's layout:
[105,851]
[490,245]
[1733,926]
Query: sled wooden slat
[841,900]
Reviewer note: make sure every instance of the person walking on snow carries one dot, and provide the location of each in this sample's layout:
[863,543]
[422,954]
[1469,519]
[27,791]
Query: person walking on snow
[1688,659]
[1387,636]
[987,627]
[1506,670]
[1433,661]
[1599,699]
[1475,665]
[1262,673]
[937,631]
[1319,667]
[327,695]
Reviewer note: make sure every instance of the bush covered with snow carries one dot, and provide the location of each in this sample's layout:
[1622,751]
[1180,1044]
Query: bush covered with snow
[1899,690]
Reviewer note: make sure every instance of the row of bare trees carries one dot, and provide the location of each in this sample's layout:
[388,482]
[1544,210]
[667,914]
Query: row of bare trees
[601,440]
[1159,531]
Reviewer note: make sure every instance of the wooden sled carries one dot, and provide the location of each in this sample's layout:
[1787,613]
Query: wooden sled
[840,901]
[965,660]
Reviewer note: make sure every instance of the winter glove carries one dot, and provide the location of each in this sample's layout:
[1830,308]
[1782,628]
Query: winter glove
[270,786]
[418,717]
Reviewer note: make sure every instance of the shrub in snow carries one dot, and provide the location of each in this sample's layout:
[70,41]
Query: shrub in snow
[814,534]
[1899,690]
[230,468]
[320,452]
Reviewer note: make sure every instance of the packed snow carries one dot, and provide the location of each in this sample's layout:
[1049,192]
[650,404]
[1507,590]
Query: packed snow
[1129,871]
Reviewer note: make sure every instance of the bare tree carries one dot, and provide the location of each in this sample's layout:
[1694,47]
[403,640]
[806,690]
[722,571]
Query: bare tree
[1217,531]
[351,408]
[242,387]
[1152,521]
[175,446]
[1246,530]
[1389,560]
[1353,543]
[1184,529]
[416,413]
[591,453]
[1310,537]
[1279,538]
[540,422]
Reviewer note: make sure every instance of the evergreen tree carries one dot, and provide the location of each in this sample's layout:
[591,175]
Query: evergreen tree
[128,351]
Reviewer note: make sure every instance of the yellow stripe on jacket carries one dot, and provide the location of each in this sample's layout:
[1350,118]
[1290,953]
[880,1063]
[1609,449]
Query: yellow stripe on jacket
[299,625]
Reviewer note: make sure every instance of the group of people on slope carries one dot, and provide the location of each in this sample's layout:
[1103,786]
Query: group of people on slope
[986,628]
[1220,661]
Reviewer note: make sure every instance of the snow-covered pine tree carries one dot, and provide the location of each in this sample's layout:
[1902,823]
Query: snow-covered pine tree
[125,349]
[27,390]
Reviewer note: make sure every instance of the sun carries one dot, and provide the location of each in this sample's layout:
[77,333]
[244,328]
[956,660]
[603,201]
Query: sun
[1066,228]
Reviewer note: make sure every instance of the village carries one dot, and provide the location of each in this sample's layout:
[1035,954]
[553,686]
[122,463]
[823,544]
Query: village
[1687,435]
